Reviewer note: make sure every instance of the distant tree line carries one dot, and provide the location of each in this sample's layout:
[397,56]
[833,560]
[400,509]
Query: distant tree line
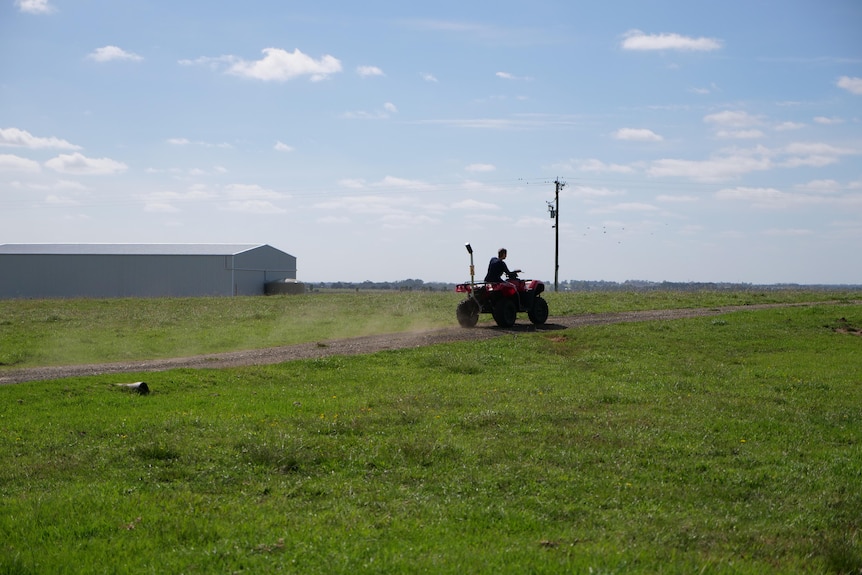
[401,285]
[577,286]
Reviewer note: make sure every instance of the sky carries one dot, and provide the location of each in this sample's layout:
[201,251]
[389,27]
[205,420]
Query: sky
[695,141]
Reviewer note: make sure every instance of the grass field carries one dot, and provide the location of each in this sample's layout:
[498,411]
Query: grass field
[61,332]
[728,444]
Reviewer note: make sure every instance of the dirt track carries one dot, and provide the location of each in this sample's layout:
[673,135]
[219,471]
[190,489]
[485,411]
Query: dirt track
[359,345]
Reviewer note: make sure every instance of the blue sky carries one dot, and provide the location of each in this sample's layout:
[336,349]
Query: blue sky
[698,141]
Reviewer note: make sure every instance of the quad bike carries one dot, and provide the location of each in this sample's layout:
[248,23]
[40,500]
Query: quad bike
[502,300]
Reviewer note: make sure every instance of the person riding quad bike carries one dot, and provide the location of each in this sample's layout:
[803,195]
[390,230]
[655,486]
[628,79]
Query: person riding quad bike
[503,299]
[497,267]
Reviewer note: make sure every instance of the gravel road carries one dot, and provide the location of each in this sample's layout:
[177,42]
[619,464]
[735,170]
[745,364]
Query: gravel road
[359,345]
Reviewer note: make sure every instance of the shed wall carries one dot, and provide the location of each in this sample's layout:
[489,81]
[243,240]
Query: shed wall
[137,275]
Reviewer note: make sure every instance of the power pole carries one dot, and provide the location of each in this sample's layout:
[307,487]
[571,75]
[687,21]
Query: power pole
[554,209]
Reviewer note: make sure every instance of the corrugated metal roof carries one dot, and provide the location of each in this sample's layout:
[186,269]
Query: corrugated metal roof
[129,249]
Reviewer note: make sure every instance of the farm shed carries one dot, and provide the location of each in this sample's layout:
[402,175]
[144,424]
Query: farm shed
[140,270]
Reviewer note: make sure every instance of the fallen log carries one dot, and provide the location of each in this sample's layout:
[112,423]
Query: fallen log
[140,387]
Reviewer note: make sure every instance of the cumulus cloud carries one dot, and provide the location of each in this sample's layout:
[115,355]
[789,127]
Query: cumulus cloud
[368,71]
[597,166]
[282,147]
[13,163]
[278,65]
[828,121]
[714,169]
[637,40]
[787,126]
[739,134]
[736,162]
[34,6]
[79,164]
[112,53]
[16,138]
[814,154]
[733,119]
[637,135]
[741,124]
[429,77]
[852,85]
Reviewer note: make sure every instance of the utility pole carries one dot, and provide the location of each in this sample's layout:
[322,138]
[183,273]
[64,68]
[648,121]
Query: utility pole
[554,209]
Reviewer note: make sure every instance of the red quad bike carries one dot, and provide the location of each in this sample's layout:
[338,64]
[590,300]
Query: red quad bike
[503,300]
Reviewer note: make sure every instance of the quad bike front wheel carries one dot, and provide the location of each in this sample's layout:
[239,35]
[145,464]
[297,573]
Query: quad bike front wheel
[505,313]
[467,313]
[538,314]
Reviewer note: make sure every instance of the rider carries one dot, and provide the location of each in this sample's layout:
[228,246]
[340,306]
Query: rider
[497,267]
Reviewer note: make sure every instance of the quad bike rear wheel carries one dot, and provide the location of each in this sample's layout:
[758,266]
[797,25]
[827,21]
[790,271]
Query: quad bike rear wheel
[467,313]
[505,313]
[538,314]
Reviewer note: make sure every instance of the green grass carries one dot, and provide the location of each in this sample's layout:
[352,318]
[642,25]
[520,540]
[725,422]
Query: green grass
[62,332]
[728,444]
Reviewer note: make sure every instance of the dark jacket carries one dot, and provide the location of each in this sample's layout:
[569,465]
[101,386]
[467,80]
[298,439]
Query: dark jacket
[496,269]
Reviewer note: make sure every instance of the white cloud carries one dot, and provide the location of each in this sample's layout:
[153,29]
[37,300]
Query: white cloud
[111,53]
[624,207]
[828,121]
[637,135]
[509,76]
[821,186]
[34,6]
[732,119]
[388,109]
[179,141]
[210,62]
[253,192]
[637,40]
[279,65]
[739,134]
[593,165]
[675,199]
[814,154]
[55,200]
[755,195]
[79,164]
[852,85]
[368,71]
[15,138]
[429,77]
[736,162]
[12,163]
[474,205]
[282,147]
[714,169]
[165,201]
[787,126]
[587,192]
[480,168]
[787,232]
[252,207]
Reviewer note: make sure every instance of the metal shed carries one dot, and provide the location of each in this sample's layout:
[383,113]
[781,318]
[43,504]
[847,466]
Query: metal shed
[140,270]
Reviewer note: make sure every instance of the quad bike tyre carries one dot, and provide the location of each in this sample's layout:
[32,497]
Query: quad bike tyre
[538,314]
[467,313]
[505,313]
